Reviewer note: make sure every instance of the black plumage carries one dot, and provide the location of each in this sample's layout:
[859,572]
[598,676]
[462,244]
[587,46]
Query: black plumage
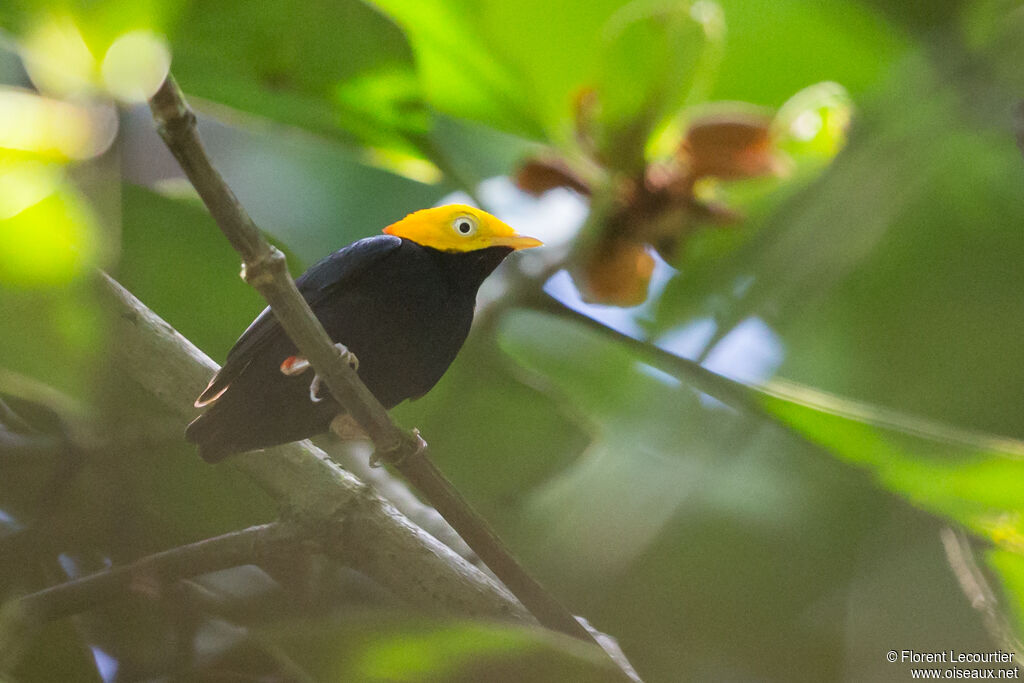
[402,308]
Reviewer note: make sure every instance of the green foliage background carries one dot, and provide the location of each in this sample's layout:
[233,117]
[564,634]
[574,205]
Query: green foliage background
[773,540]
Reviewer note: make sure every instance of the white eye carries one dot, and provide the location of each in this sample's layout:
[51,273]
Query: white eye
[464,225]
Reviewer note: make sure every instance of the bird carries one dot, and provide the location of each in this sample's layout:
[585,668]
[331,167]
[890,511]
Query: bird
[401,303]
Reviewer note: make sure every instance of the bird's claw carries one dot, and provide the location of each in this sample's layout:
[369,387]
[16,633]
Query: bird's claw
[314,390]
[396,454]
[348,356]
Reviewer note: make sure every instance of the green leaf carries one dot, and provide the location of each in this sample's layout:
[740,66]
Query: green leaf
[776,47]
[50,327]
[971,479]
[50,234]
[320,65]
[1010,567]
[398,649]
[639,421]
[521,66]
[459,70]
[655,56]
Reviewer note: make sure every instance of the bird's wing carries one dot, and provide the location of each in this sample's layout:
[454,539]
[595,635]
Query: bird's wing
[326,276]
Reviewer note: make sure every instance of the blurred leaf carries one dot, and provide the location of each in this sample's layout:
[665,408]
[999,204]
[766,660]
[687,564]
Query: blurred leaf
[203,298]
[289,63]
[57,58]
[459,71]
[409,649]
[1010,567]
[135,66]
[319,65]
[51,236]
[777,47]
[42,128]
[64,42]
[657,55]
[814,122]
[382,103]
[798,251]
[921,321]
[974,480]
[640,422]
[520,67]
[53,334]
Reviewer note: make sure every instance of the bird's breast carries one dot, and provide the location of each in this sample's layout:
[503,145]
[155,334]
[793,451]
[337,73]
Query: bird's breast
[405,326]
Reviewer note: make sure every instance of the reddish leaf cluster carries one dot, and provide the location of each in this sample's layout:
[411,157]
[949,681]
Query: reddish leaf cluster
[657,210]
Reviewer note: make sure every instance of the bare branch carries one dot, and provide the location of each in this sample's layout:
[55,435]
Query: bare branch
[212,554]
[367,534]
[975,586]
[21,618]
[353,456]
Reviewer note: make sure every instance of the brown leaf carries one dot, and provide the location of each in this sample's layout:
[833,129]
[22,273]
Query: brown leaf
[537,176]
[617,273]
[730,146]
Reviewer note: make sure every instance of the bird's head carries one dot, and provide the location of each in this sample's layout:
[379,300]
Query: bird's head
[457,227]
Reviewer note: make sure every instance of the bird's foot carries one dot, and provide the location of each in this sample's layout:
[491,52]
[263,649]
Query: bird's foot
[348,356]
[412,445]
[296,365]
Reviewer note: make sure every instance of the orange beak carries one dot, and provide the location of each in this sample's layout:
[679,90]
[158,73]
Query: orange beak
[516,242]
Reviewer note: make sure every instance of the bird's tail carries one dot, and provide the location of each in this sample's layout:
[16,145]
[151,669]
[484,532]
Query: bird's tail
[207,432]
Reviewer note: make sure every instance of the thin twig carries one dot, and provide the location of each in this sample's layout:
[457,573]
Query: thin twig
[21,618]
[264,268]
[725,390]
[975,586]
[154,571]
[752,398]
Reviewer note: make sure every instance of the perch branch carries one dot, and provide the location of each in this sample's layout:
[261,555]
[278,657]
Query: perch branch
[264,268]
[369,534]
[353,456]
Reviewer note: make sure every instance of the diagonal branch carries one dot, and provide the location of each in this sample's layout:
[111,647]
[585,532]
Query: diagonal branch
[20,619]
[220,552]
[978,591]
[365,532]
[264,268]
[354,457]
